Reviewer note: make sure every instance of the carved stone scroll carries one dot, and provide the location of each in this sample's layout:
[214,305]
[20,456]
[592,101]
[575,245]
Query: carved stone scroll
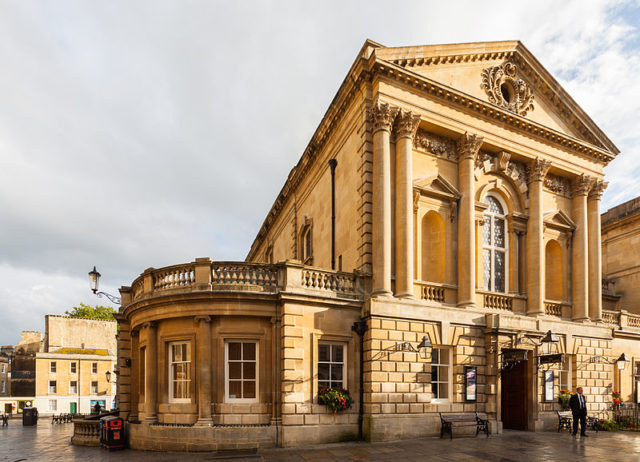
[381,115]
[469,145]
[504,88]
[435,144]
[406,124]
[538,169]
[582,185]
[597,189]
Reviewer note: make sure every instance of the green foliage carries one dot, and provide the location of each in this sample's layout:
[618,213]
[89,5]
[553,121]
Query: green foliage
[336,399]
[88,311]
[608,425]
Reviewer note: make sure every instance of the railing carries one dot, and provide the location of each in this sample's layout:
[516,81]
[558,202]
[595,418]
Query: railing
[173,277]
[633,320]
[498,302]
[326,280]
[611,317]
[432,293]
[207,275]
[86,432]
[553,309]
[244,273]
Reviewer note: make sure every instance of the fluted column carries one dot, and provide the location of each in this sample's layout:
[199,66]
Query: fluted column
[580,249]
[468,147]
[535,251]
[406,126]
[203,343]
[381,115]
[595,250]
[151,373]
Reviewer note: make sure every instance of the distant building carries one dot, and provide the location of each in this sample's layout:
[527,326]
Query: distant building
[76,369]
[20,377]
[5,367]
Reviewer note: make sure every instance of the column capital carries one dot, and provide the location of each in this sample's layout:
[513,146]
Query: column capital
[581,185]
[149,325]
[134,333]
[469,145]
[597,189]
[201,318]
[538,169]
[382,115]
[407,124]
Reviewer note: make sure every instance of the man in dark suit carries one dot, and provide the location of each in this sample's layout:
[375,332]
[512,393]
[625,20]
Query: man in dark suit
[578,405]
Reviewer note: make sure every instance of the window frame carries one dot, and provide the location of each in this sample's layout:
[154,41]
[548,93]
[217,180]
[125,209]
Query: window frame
[492,248]
[53,367]
[227,399]
[449,380]
[307,238]
[94,368]
[91,388]
[73,367]
[55,387]
[330,362]
[71,392]
[170,364]
[3,388]
[53,408]
[3,368]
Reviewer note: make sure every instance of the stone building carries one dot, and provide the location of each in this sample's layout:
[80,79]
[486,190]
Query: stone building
[621,286]
[5,375]
[76,369]
[436,249]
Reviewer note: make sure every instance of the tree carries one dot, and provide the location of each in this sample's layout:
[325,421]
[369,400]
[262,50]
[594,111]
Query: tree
[88,311]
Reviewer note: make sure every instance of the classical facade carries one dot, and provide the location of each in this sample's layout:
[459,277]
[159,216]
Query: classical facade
[444,217]
[76,369]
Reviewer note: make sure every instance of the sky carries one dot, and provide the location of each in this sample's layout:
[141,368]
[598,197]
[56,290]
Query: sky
[138,134]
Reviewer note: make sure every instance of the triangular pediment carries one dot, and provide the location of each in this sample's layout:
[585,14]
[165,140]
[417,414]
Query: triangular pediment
[504,74]
[559,220]
[436,186]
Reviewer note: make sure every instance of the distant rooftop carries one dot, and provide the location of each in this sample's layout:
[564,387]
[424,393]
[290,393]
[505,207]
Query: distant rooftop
[625,209]
[82,351]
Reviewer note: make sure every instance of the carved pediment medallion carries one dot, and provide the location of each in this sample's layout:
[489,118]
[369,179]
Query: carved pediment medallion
[506,89]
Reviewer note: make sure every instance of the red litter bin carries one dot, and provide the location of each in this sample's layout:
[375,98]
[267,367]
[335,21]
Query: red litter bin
[112,433]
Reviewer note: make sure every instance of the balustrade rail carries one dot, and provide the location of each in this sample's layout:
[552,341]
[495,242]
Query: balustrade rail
[553,308]
[173,277]
[86,432]
[244,273]
[432,293]
[611,317]
[341,283]
[498,302]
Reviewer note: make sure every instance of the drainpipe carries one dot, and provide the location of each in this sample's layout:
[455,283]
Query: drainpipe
[360,327]
[332,164]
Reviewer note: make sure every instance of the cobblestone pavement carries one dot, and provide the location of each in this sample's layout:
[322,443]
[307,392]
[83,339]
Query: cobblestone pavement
[48,442]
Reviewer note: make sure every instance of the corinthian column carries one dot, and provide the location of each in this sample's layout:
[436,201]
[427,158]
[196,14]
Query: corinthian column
[381,115]
[580,249]
[535,252]
[468,147]
[406,126]
[203,342]
[595,250]
[151,373]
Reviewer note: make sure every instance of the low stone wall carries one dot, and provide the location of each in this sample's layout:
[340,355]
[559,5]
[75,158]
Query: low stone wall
[198,439]
[86,432]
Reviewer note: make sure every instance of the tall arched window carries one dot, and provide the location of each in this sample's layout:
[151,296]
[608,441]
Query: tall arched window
[494,246]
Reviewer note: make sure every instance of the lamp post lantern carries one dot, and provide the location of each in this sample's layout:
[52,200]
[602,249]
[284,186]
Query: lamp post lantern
[94,282]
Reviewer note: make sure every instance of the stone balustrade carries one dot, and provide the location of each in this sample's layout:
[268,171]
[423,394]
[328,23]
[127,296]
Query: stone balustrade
[498,302]
[553,308]
[207,275]
[611,317]
[86,432]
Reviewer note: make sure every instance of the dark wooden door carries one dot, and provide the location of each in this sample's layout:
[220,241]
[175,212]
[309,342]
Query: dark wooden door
[514,396]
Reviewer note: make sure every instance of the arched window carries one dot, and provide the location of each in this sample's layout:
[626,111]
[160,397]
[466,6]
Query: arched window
[307,247]
[433,247]
[494,246]
[553,271]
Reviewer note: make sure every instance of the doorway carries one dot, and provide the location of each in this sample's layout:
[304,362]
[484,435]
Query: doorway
[8,408]
[514,395]
[72,408]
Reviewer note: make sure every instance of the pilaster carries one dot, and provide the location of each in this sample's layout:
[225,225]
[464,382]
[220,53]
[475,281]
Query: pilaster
[595,250]
[580,249]
[151,373]
[203,342]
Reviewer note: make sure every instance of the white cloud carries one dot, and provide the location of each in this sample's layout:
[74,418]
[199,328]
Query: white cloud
[136,134]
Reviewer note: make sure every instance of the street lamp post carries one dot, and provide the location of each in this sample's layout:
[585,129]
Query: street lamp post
[94,281]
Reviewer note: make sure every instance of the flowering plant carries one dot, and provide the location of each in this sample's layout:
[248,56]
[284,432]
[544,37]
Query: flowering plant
[336,398]
[563,399]
[616,398]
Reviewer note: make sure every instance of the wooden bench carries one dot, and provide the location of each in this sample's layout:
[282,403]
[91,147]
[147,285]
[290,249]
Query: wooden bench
[565,418]
[447,420]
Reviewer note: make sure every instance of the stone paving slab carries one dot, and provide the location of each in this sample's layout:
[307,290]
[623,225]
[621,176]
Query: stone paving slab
[48,442]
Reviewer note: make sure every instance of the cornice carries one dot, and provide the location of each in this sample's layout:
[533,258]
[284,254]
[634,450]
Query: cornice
[490,110]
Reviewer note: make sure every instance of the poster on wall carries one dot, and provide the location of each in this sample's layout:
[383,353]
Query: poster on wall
[548,386]
[471,380]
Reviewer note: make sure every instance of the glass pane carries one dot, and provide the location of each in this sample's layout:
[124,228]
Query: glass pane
[336,372]
[435,356]
[498,232]
[323,372]
[494,206]
[185,352]
[235,371]
[323,353]
[235,351]
[177,389]
[486,231]
[249,389]
[249,351]
[499,272]
[235,389]
[323,385]
[175,353]
[434,373]
[486,269]
[248,371]
[434,388]
[443,390]
[336,355]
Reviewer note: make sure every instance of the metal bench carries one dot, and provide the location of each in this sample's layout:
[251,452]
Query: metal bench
[565,418]
[479,420]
